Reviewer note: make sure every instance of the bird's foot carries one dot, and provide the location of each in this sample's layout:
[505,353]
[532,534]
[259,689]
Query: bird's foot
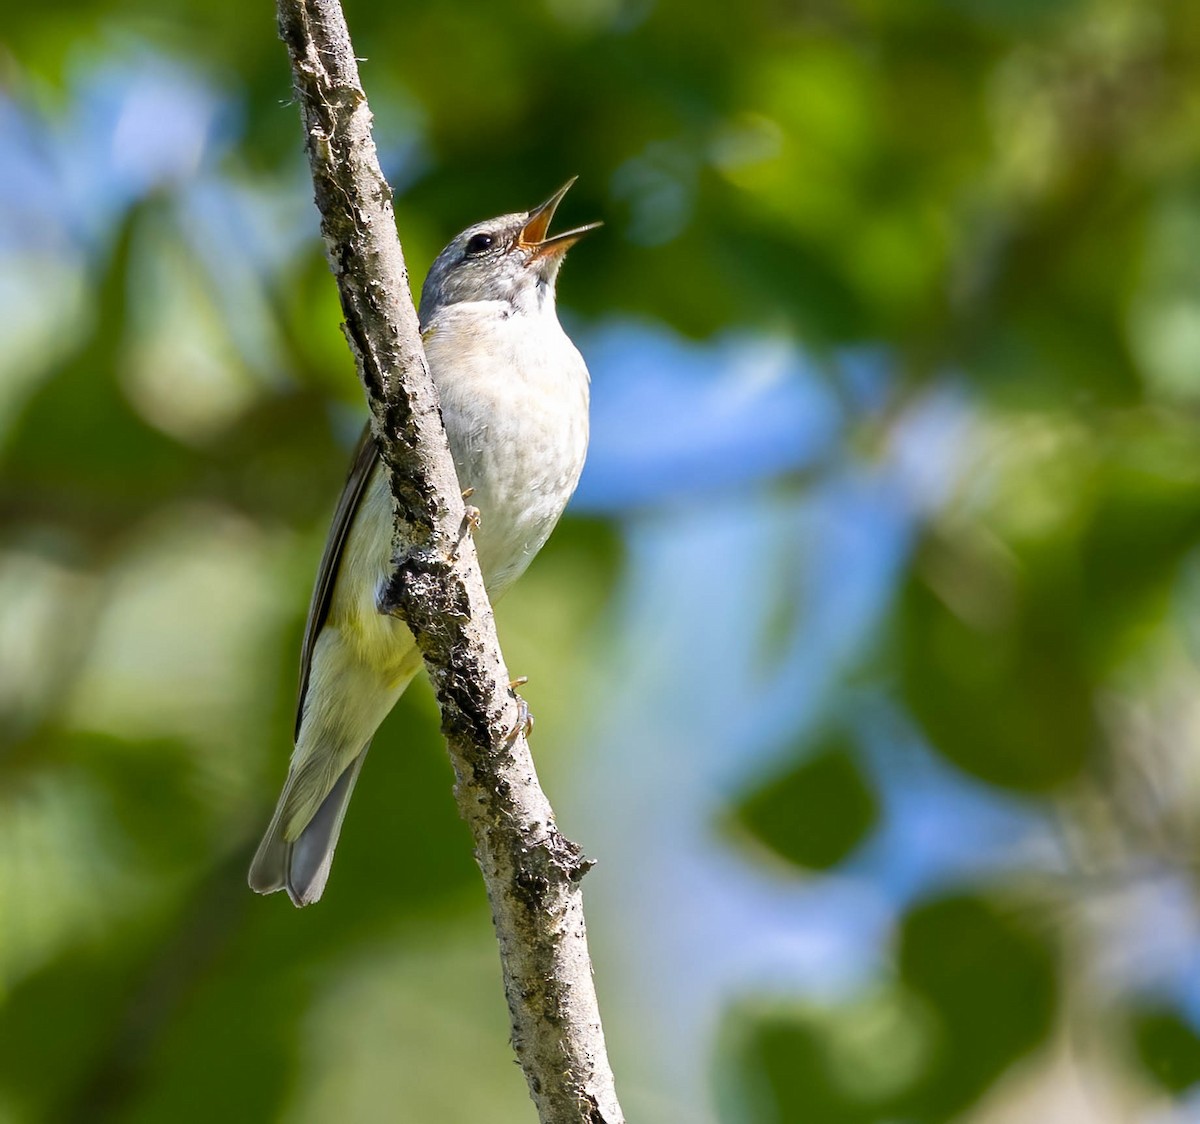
[472,514]
[524,723]
[472,519]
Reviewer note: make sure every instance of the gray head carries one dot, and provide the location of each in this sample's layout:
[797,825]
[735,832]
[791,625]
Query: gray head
[509,258]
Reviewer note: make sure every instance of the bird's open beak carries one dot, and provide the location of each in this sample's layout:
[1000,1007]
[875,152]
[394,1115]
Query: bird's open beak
[533,233]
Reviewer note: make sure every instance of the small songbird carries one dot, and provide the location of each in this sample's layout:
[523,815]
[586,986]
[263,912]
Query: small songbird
[514,394]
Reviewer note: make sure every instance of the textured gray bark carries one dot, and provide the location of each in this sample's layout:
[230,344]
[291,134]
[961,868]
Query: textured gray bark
[531,871]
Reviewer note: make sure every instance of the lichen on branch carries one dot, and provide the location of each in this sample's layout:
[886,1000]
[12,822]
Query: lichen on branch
[531,871]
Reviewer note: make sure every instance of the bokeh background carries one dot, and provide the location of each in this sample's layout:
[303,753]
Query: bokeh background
[866,663]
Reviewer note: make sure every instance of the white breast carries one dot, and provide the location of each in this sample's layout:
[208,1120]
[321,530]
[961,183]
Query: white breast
[514,393]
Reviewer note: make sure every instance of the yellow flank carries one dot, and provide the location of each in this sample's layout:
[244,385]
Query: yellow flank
[361,664]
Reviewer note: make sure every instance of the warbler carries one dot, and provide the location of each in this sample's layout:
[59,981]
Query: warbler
[514,394]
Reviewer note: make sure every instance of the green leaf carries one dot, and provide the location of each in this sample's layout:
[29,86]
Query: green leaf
[990,981]
[1167,1046]
[995,673]
[816,813]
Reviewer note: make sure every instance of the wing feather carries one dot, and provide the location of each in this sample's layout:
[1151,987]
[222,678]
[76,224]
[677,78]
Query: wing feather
[365,456]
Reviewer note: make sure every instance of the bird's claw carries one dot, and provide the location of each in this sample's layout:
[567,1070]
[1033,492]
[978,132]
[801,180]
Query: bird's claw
[472,516]
[472,520]
[524,723]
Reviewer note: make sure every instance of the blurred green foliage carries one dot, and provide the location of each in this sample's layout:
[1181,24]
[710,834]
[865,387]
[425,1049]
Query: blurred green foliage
[975,992]
[991,983]
[1167,1046]
[1003,199]
[817,812]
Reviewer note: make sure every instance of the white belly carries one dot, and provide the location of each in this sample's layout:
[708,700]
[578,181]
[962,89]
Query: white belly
[514,394]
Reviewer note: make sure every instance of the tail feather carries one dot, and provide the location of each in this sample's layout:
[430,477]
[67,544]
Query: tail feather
[301,866]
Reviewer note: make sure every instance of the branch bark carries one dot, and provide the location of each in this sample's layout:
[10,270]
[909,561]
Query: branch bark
[531,871]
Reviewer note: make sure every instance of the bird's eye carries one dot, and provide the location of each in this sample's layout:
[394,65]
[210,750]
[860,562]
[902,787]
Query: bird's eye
[479,243]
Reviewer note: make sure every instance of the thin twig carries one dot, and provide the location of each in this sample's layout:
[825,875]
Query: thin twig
[531,871]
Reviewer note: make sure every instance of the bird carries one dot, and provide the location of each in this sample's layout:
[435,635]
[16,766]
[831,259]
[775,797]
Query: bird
[514,393]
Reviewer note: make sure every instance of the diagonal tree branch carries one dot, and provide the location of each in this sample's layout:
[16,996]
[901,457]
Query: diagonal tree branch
[531,871]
